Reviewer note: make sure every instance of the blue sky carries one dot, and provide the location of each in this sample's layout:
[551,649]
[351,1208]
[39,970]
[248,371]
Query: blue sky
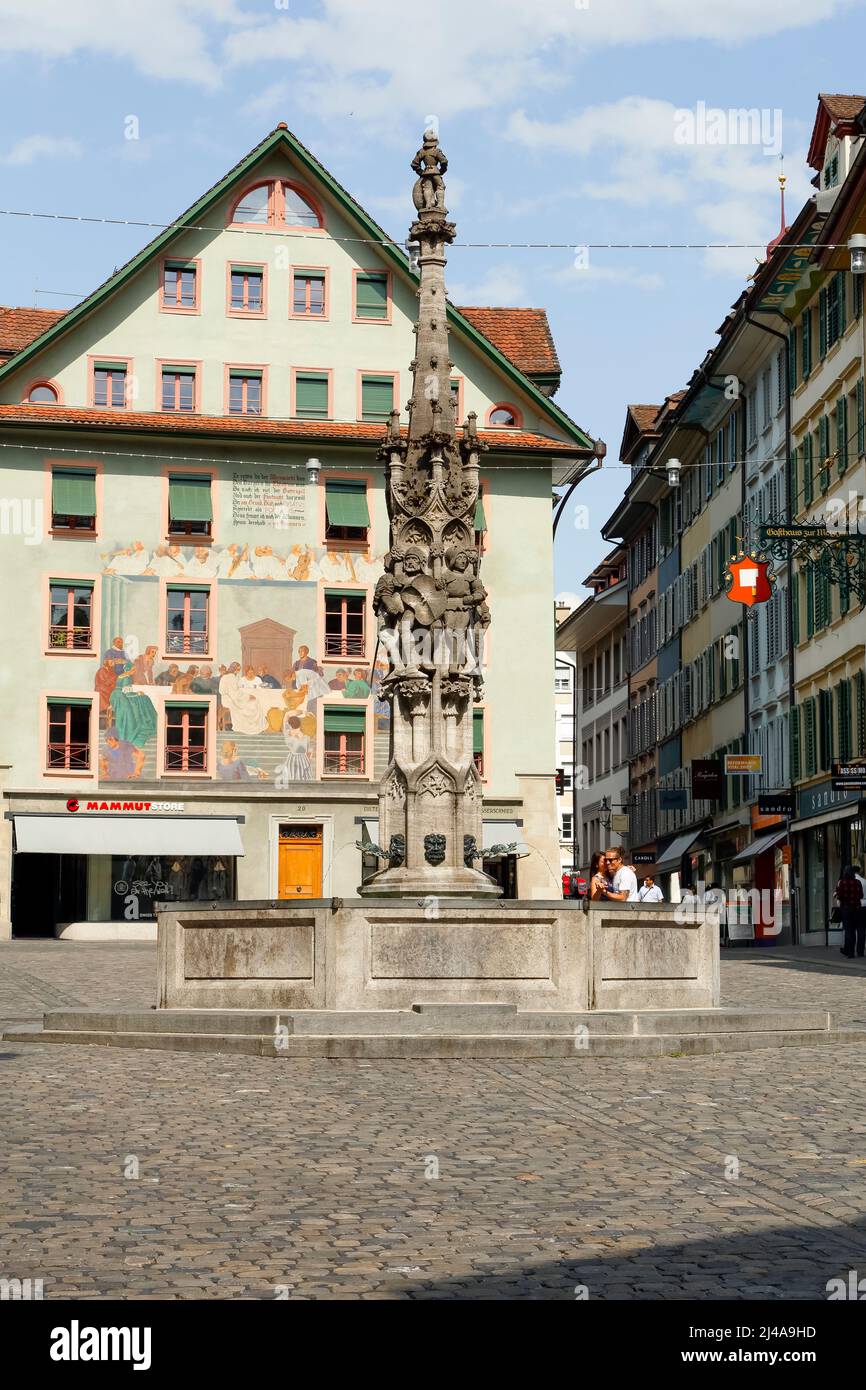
[559,119]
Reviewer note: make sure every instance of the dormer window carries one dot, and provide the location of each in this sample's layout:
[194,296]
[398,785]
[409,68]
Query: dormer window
[276,203]
[503,416]
[43,393]
[830,175]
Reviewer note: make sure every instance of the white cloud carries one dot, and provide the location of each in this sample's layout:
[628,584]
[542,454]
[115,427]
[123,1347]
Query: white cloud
[568,599]
[34,147]
[729,190]
[592,274]
[500,285]
[162,38]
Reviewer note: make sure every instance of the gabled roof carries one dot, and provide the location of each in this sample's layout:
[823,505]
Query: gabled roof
[63,417]
[19,327]
[282,139]
[835,110]
[523,335]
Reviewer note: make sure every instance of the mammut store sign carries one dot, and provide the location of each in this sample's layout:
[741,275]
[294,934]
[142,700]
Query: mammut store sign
[119,807]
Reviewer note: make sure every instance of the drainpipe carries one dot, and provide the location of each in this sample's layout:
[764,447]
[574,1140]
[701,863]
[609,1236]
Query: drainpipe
[785,338]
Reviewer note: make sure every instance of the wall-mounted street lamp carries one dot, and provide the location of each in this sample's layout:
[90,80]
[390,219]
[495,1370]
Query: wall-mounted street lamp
[604,814]
[857,247]
[313,470]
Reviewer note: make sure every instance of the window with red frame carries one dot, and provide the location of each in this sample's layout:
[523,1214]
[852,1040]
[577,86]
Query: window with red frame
[308,293]
[245,393]
[43,394]
[503,417]
[186,621]
[70,625]
[68,735]
[344,741]
[186,738]
[344,624]
[276,204]
[109,385]
[178,389]
[179,285]
[247,290]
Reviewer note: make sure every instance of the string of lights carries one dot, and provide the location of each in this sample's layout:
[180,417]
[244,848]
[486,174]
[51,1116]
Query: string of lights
[318,234]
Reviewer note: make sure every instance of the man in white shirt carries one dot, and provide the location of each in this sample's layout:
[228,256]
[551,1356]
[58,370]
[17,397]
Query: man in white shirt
[623,885]
[650,892]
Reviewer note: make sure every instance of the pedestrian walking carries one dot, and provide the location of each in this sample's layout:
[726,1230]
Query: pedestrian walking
[649,891]
[849,896]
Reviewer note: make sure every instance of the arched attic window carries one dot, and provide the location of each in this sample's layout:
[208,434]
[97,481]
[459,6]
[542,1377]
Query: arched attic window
[276,203]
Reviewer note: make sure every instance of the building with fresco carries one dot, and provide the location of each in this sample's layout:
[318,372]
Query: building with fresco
[194,523]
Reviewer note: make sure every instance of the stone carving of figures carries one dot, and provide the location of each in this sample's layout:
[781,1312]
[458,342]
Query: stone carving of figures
[430,163]
[407,603]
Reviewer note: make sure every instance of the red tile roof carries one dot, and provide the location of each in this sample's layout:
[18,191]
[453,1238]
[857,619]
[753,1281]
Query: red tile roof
[840,107]
[325,431]
[644,416]
[19,327]
[522,335]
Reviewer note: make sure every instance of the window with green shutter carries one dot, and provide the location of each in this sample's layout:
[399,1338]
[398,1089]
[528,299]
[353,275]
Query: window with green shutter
[792,361]
[825,729]
[841,304]
[73,499]
[347,515]
[858,296]
[480,518]
[822,323]
[824,451]
[344,740]
[190,509]
[795,483]
[377,397]
[811,747]
[841,434]
[371,294]
[860,716]
[844,590]
[794,732]
[808,472]
[806,342]
[795,613]
[843,719]
[312,392]
[810,599]
[861,418]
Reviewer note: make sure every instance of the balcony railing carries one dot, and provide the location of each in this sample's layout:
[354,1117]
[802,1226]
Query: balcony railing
[186,643]
[186,760]
[72,757]
[344,644]
[63,637]
[344,764]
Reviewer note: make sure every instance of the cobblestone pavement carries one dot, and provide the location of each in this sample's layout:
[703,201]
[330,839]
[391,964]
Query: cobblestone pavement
[259,1177]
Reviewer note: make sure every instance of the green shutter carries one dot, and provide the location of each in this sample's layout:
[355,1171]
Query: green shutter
[83,700]
[809,738]
[861,419]
[840,303]
[189,499]
[73,493]
[480,518]
[346,503]
[844,590]
[806,343]
[860,701]
[182,587]
[71,583]
[822,323]
[377,397]
[371,295]
[311,395]
[824,451]
[478,731]
[792,362]
[794,727]
[810,599]
[186,704]
[344,593]
[808,474]
[841,435]
[795,483]
[345,721]
[825,721]
[795,608]
[843,719]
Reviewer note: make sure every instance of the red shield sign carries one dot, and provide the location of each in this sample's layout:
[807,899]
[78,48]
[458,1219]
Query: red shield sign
[749,581]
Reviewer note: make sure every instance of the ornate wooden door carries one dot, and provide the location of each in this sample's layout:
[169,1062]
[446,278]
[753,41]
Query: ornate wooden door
[300,862]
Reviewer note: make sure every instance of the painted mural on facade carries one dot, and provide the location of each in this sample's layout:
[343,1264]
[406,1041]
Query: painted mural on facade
[260,667]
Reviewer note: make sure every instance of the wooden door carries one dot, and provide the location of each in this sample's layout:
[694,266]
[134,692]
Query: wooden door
[300,862]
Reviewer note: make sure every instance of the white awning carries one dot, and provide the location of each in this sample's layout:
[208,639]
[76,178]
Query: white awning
[98,834]
[499,832]
[670,860]
[849,812]
[758,846]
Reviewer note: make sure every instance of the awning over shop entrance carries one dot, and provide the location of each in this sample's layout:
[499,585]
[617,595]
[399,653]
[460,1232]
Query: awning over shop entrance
[96,834]
[669,861]
[758,846]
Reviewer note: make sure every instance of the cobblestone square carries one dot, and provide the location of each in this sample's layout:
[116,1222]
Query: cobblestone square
[139,1174]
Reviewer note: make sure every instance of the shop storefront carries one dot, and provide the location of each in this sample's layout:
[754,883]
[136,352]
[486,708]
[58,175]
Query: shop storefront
[829,832]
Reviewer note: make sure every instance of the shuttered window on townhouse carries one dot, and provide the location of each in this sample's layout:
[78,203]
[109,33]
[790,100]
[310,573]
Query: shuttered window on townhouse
[860,715]
[806,343]
[824,452]
[795,484]
[825,727]
[841,435]
[809,739]
[843,719]
[794,599]
[794,734]
[753,621]
[808,473]
[844,590]
[861,418]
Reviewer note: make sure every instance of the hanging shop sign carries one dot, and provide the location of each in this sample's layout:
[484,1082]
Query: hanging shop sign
[748,581]
[746,763]
[776,804]
[849,777]
[673,799]
[707,779]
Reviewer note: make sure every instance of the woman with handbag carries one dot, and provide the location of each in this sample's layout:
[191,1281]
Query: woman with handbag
[849,896]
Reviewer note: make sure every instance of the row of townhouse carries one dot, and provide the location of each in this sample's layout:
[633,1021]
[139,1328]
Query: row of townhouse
[769,431]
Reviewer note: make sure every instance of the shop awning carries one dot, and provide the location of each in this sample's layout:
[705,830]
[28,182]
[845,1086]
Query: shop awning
[499,832]
[758,846]
[106,834]
[849,812]
[670,859]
